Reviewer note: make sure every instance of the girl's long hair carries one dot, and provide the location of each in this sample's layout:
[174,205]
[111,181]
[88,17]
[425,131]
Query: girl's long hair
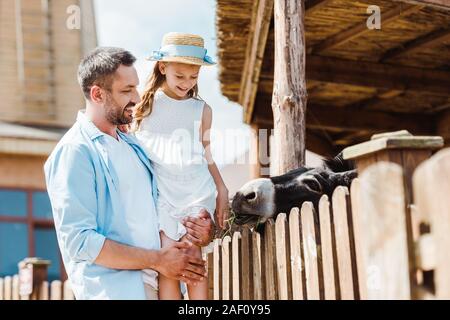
[144,108]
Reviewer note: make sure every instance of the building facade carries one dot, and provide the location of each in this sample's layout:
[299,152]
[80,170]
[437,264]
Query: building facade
[41,44]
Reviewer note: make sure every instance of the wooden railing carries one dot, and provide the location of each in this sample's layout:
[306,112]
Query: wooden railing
[55,290]
[355,246]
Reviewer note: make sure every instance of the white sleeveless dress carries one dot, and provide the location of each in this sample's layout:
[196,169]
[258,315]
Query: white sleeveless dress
[171,137]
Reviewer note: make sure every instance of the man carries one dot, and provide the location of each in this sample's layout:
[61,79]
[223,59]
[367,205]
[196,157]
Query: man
[103,193]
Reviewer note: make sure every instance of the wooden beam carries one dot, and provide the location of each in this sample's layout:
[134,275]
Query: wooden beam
[427,41]
[348,138]
[261,18]
[289,95]
[315,5]
[376,75]
[353,119]
[441,108]
[350,119]
[361,27]
[320,145]
[441,4]
[375,99]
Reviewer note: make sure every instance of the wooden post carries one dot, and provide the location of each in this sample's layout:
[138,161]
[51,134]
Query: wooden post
[289,95]
[32,272]
[384,240]
[408,151]
[431,190]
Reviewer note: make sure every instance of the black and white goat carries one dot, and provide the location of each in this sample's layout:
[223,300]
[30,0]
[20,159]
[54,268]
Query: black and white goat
[261,199]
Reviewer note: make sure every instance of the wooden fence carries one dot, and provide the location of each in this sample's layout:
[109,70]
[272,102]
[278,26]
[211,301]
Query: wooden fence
[56,290]
[364,243]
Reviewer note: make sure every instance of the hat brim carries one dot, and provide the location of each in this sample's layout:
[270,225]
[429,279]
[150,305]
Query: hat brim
[185,60]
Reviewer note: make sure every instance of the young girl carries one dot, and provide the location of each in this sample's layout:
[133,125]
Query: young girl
[173,123]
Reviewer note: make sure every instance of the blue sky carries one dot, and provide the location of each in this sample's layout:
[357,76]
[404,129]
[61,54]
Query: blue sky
[139,25]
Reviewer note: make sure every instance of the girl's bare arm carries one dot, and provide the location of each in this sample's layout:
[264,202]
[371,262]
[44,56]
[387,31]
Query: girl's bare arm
[222,207]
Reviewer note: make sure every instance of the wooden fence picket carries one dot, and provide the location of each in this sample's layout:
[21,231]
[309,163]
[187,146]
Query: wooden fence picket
[226,268]
[67,292]
[211,272]
[328,263]
[283,258]
[8,288]
[15,287]
[296,254]
[44,291]
[269,253]
[344,262]
[355,196]
[56,290]
[256,262]
[246,274]
[217,270]
[432,194]
[310,252]
[236,265]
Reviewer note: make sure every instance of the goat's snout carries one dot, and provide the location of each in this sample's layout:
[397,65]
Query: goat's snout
[237,201]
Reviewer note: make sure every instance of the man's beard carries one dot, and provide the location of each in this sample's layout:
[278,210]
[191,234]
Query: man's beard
[115,114]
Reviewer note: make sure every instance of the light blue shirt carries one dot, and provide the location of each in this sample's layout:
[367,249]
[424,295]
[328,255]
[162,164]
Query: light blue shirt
[84,191]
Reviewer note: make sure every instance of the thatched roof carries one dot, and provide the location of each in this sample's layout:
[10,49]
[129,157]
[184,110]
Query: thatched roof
[399,75]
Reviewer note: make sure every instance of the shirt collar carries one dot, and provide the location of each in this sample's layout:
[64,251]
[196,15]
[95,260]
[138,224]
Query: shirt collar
[88,126]
[93,132]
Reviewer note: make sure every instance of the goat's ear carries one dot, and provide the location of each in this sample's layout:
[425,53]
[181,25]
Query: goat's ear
[338,164]
[345,178]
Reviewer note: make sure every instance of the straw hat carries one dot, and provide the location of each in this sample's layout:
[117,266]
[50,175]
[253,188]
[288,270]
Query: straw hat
[184,48]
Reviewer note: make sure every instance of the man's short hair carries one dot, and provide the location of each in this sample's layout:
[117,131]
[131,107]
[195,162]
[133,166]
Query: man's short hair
[99,66]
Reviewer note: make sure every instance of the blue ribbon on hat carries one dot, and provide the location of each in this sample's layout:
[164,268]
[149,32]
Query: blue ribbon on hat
[182,51]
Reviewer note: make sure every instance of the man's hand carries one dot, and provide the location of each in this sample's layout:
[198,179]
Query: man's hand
[200,229]
[175,263]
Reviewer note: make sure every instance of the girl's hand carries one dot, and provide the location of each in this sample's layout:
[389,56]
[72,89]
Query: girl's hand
[200,229]
[222,207]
